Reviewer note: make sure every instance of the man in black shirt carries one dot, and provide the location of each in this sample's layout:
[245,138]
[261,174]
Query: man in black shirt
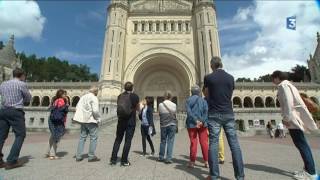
[126,124]
[219,86]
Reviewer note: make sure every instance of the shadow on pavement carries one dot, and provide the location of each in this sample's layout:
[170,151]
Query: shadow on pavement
[62,154]
[268,169]
[182,165]
[196,171]
[24,159]
[199,159]
[138,152]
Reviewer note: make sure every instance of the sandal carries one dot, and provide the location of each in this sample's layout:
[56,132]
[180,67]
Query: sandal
[54,157]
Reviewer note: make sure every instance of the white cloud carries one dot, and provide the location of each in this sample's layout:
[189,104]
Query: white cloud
[243,14]
[226,24]
[74,56]
[21,18]
[275,47]
[84,19]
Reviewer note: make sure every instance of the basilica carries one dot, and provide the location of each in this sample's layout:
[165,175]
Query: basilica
[159,45]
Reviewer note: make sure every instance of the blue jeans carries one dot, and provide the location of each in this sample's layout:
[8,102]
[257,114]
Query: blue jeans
[167,139]
[12,118]
[301,143]
[92,130]
[227,122]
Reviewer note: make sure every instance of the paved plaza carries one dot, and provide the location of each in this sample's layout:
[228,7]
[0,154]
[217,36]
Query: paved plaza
[264,158]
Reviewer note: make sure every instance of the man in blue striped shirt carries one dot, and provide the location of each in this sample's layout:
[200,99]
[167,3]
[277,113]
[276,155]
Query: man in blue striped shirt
[14,94]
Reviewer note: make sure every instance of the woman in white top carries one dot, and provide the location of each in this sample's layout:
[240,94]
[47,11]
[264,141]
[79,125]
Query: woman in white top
[168,126]
[298,120]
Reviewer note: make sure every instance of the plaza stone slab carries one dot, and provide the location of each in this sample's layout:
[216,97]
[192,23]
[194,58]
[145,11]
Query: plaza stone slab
[265,159]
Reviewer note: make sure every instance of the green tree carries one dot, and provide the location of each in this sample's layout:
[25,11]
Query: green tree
[265,78]
[299,73]
[243,80]
[54,69]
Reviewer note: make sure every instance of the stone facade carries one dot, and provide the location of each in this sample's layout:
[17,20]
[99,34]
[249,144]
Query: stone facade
[314,63]
[158,45]
[8,60]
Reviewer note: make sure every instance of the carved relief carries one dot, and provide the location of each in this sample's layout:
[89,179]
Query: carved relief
[161,6]
[159,84]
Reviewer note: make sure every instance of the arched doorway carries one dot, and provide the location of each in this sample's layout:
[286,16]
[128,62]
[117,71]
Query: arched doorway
[160,73]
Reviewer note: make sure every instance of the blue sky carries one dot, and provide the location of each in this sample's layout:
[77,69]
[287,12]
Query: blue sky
[74,30]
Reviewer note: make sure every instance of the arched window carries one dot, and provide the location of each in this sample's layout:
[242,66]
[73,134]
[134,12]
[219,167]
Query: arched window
[270,102]
[35,101]
[247,102]
[237,102]
[258,102]
[45,101]
[75,101]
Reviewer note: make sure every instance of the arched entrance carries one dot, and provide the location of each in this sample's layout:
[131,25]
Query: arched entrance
[162,72]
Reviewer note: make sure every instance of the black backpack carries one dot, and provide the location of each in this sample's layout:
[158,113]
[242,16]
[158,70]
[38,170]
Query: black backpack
[124,108]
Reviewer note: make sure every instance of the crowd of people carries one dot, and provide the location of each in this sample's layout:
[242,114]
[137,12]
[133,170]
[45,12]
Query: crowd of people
[209,117]
[277,132]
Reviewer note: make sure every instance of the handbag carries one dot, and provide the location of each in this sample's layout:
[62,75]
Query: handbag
[173,116]
[311,106]
[150,130]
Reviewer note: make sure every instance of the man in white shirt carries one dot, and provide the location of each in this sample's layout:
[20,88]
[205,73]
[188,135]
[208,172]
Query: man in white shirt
[87,114]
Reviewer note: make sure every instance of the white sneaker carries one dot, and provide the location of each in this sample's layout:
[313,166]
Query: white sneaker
[303,175]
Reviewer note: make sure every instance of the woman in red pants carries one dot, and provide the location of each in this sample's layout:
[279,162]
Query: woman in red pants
[197,110]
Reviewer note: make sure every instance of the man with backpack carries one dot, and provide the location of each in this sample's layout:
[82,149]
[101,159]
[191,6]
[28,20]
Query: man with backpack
[127,104]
